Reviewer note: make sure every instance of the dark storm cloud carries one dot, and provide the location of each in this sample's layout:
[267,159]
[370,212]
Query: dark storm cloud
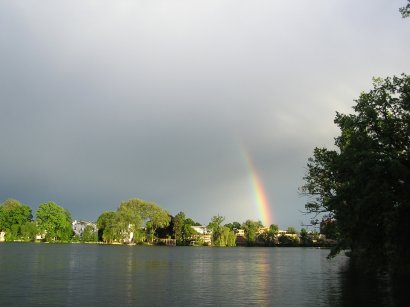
[102,101]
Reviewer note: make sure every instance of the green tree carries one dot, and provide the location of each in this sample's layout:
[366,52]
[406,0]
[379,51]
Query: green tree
[291,230]
[233,225]
[54,221]
[228,237]
[229,225]
[405,10]
[274,229]
[189,233]
[270,237]
[251,231]
[183,229]
[288,240]
[135,216]
[192,222]
[364,185]
[236,225]
[157,218]
[215,225]
[166,232]
[12,233]
[137,213]
[89,234]
[179,222]
[13,215]
[304,237]
[108,226]
[29,231]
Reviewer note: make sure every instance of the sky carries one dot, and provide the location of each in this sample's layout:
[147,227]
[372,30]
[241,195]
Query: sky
[194,105]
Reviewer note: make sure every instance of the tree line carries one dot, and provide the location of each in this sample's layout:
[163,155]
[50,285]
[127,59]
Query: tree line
[51,221]
[139,221]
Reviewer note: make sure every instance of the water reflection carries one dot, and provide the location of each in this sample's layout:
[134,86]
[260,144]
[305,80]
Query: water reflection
[364,289]
[66,275]
[263,274]
[129,277]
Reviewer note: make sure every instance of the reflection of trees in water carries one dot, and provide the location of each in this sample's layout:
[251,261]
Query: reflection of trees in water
[368,289]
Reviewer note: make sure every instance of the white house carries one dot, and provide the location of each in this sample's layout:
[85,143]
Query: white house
[79,226]
[239,232]
[204,234]
[285,233]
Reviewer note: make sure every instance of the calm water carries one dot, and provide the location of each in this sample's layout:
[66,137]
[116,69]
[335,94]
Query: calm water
[91,275]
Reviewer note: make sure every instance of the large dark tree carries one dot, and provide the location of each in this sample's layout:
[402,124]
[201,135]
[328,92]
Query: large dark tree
[405,10]
[364,184]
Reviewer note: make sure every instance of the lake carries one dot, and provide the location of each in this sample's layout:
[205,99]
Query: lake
[106,275]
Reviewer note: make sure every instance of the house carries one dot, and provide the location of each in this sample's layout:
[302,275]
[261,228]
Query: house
[41,236]
[239,232]
[262,230]
[240,236]
[2,236]
[286,234]
[79,226]
[128,235]
[204,234]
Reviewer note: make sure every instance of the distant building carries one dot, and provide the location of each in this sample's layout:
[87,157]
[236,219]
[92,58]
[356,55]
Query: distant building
[79,226]
[204,234]
[41,236]
[240,237]
[128,235]
[239,232]
[262,230]
[2,236]
[286,234]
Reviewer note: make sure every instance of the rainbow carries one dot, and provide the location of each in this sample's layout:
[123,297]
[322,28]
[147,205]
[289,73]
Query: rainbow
[261,198]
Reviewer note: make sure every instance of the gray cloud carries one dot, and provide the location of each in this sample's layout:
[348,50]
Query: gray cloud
[102,101]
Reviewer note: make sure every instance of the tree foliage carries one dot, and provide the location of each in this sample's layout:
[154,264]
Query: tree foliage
[139,213]
[179,222]
[251,231]
[305,239]
[54,221]
[28,231]
[182,229]
[364,184]
[270,237]
[108,227]
[405,10]
[233,225]
[15,219]
[227,238]
[12,212]
[285,240]
[89,234]
[221,235]
[135,216]
[215,226]
[291,230]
